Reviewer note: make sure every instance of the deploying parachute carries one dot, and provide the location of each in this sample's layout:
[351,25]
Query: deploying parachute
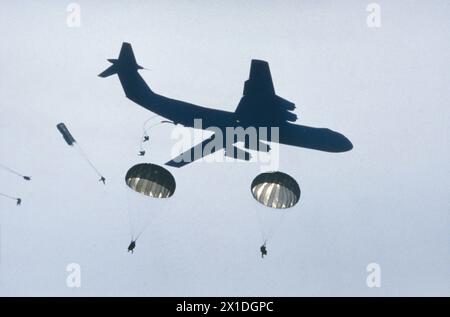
[146,180]
[65,133]
[278,191]
[70,140]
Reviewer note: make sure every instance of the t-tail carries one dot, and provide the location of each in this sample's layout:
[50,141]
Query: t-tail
[127,68]
[126,62]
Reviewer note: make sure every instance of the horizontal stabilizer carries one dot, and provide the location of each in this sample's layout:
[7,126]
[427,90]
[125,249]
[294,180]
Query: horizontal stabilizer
[125,62]
[109,71]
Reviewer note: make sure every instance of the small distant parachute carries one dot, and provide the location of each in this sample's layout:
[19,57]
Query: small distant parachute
[10,170]
[151,180]
[70,140]
[276,190]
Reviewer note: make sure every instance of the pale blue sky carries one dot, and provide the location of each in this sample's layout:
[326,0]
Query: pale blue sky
[386,201]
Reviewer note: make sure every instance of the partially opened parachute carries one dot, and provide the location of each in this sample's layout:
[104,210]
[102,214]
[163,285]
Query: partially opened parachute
[275,190]
[65,133]
[151,180]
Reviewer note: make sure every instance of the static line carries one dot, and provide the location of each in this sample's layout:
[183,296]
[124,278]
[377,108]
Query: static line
[146,134]
[14,172]
[8,196]
[80,150]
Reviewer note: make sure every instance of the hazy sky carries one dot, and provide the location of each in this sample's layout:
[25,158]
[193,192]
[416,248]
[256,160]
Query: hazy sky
[386,201]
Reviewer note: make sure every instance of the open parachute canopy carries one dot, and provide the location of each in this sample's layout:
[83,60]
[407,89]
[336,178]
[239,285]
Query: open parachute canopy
[151,180]
[276,190]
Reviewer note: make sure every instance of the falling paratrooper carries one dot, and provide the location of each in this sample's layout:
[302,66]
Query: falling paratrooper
[17,199]
[10,170]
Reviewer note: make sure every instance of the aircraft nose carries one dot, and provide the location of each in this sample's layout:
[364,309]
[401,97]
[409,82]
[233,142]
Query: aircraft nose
[348,145]
[344,143]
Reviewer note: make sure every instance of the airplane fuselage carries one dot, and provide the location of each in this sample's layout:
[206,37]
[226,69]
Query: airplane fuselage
[180,112]
[259,108]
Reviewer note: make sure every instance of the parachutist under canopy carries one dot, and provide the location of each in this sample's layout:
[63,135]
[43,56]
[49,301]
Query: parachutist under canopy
[263,250]
[132,246]
[19,201]
[141,153]
[102,179]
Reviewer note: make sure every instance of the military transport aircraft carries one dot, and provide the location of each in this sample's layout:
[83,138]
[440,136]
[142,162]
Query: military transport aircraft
[259,107]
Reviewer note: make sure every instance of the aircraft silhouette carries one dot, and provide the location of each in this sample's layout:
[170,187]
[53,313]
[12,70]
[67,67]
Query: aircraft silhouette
[259,107]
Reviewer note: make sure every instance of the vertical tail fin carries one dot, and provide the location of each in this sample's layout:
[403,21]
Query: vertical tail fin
[125,62]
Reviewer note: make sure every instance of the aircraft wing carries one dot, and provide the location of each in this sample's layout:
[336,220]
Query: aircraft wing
[206,148]
[194,153]
[260,104]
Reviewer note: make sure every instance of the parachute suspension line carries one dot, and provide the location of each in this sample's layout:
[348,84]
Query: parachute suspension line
[80,150]
[9,197]
[140,233]
[17,199]
[273,230]
[6,168]
[146,132]
[134,236]
[10,170]
[138,223]
[269,224]
[145,136]
[131,221]
[145,124]
[151,118]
